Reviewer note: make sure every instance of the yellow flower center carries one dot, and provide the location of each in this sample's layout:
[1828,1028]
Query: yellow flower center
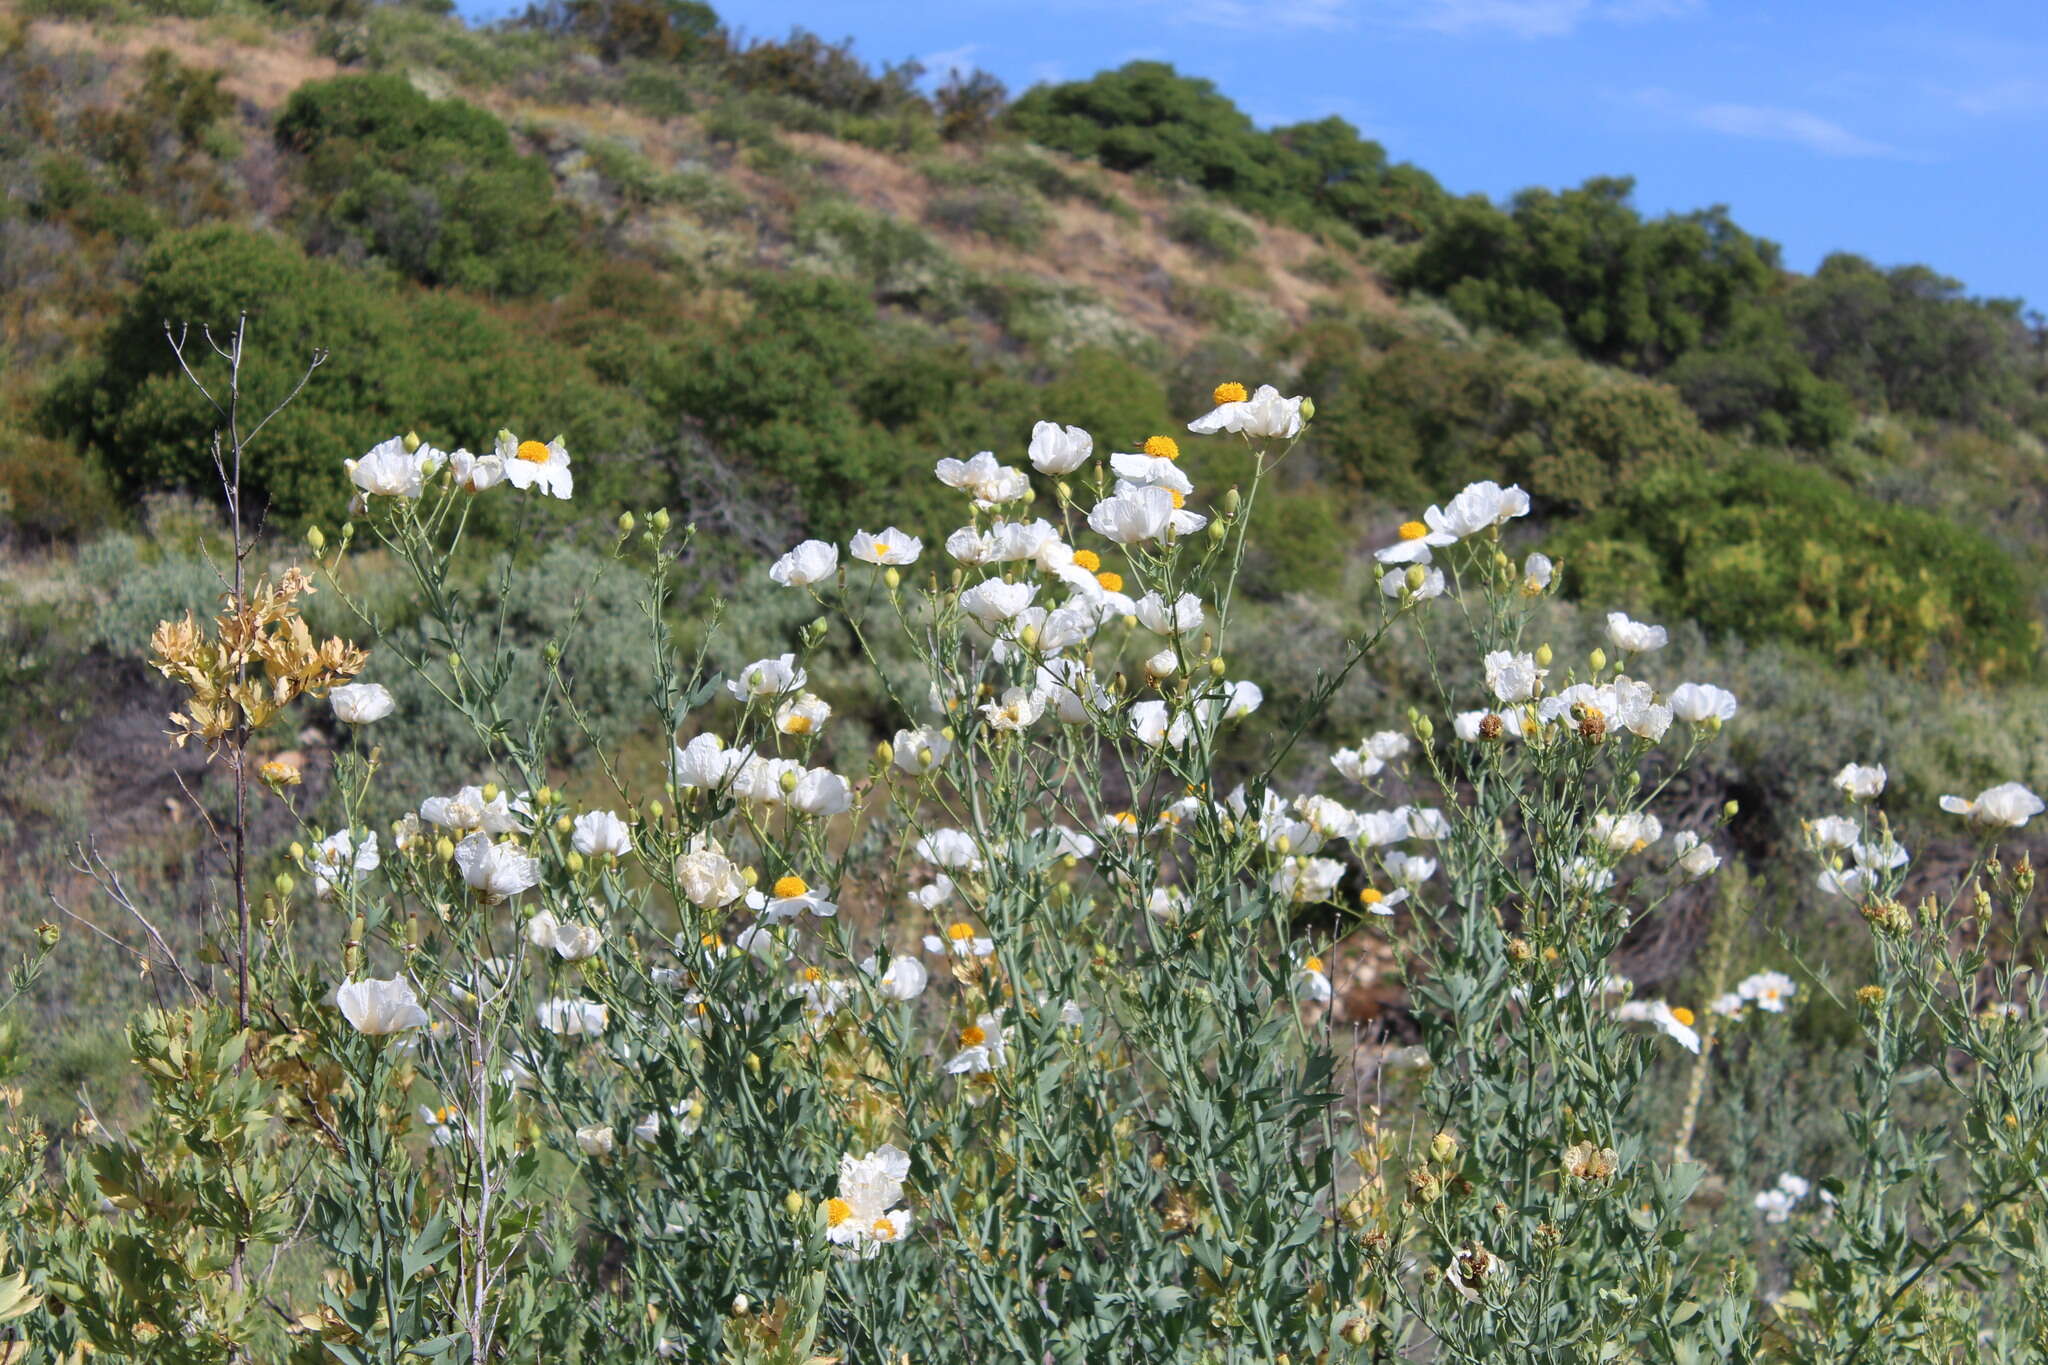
[837,1211]
[1124,818]
[973,1036]
[881,548]
[960,931]
[1682,1015]
[441,1114]
[1232,392]
[533,452]
[1372,895]
[1413,530]
[1087,559]
[884,1230]
[786,887]
[812,974]
[1313,964]
[1162,447]
[1110,581]
[1178,501]
[797,725]
[707,940]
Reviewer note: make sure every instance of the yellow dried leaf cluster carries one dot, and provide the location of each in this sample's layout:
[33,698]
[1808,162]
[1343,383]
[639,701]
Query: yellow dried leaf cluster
[256,661]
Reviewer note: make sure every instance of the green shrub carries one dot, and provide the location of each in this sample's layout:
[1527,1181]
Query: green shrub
[900,262]
[434,363]
[433,186]
[1210,232]
[1014,219]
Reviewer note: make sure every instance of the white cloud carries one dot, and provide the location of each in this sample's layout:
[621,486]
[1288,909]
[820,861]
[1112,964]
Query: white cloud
[1770,124]
[1999,98]
[1268,14]
[1534,18]
[940,65]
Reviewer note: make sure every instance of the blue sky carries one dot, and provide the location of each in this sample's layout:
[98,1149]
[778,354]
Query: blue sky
[1901,131]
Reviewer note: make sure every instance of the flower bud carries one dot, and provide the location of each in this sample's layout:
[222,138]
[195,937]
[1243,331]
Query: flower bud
[1308,409]
[1064,491]
[490,791]
[563,824]
[788,783]
[1729,809]
[316,538]
[47,934]
[551,652]
[1870,996]
[626,523]
[1444,1148]
[659,521]
[1415,577]
[741,1304]
[574,862]
[1216,531]
[412,443]
[1216,667]
[750,875]
[793,1204]
[444,848]
[891,579]
[654,810]
[284,883]
[1028,637]
[1543,656]
[1232,500]
[454,662]
[885,753]
[1598,659]
[1424,730]
[1356,1331]
[298,852]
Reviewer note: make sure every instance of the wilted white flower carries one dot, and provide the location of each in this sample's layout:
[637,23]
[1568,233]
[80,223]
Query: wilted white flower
[813,561]
[1697,703]
[767,678]
[1513,677]
[599,833]
[529,464]
[1696,859]
[361,703]
[1059,450]
[596,1139]
[889,547]
[1863,782]
[475,473]
[1264,415]
[378,1008]
[338,860]
[1634,636]
[862,1218]
[498,871]
[989,483]
[2008,805]
[1769,990]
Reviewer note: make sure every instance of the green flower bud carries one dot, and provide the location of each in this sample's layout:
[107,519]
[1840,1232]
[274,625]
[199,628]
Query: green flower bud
[1416,577]
[891,579]
[1216,531]
[1308,409]
[412,443]
[885,753]
[659,521]
[316,538]
[574,862]
[444,848]
[626,523]
[1232,500]
[793,1204]
[1598,659]
[1543,656]
[284,883]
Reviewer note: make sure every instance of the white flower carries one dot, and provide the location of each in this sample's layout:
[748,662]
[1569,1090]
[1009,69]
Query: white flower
[338,860]
[1070,690]
[813,561]
[934,894]
[475,473]
[790,897]
[1467,725]
[1727,1004]
[1263,415]
[904,978]
[1242,698]
[1664,1017]
[1153,725]
[1059,450]
[1833,831]
[989,483]
[802,714]
[601,833]
[577,942]
[1011,542]
[862,1219]
[1537,571]
[970,546]
[596,1140]
[1184,617]
[1634,636]
[919,751]
[1149,471]
[529,464]
[569,1018]
[2008,804]
[496,870]
[1513,677]
[1698,703]
[1863,782]
[708,877]
[377,1007]
[1071,843]
[441,1125]
[1017,710]
[1312,981]
[361,703]
[1775,1205]
[1770,990]
[389,470]
[1479,507]
[960,941]
[821,792]
[1370,758]
[542,928]
[951,849]
[992,601]
[1583,874]
[1395,585]
[890,547]
[981,1047]
[1308,881]
[1408,869]
[765,678]
[468,811]
[1628,833]
[1415,543]
[1133,517]
[706,761]
[1696,859]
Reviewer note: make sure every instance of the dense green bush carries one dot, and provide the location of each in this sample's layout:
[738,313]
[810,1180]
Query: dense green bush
[433,186]
[1210,232]
[1765,548]
[395,360]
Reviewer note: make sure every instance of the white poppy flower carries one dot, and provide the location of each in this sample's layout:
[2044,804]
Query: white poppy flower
[821,792]
[1308,881]
[1833,831]
[1018,709]
[904,979]
[1153,724]
[542,928]
[709,879]
[1478,507]
[1675,1024]
[601,833]
[1414,543]
[1396,586]
[918,751]
[572,1018]
[529,464]
[577,942]
[1697,703]
[1241,698]
[1070,690]
[1631,832]
[475,473]
[990,484]
[468,811]
[861,1219]
[1728,1004]
[889,547]
[1408,869]
[1583,874]
[951,849]
[1059,450]
[389,470]
[706,762]
[1768,990]
[970,546]
[802,714]
[1863,782]
[1634,636]
[1312,981]
[1696,858]
[981,1047]
[337,861]
[497,871]
[792,896]
[1133,517]
[1010,542]
[377,1008]
[992,601]
[361,703]
[444,1125]
[1513,677]
[2007,805]
[1184,617]
[1150,471]
[766,678]
[1537,571]
[933,895]
[1264,415]
[960,941]
[813,561]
